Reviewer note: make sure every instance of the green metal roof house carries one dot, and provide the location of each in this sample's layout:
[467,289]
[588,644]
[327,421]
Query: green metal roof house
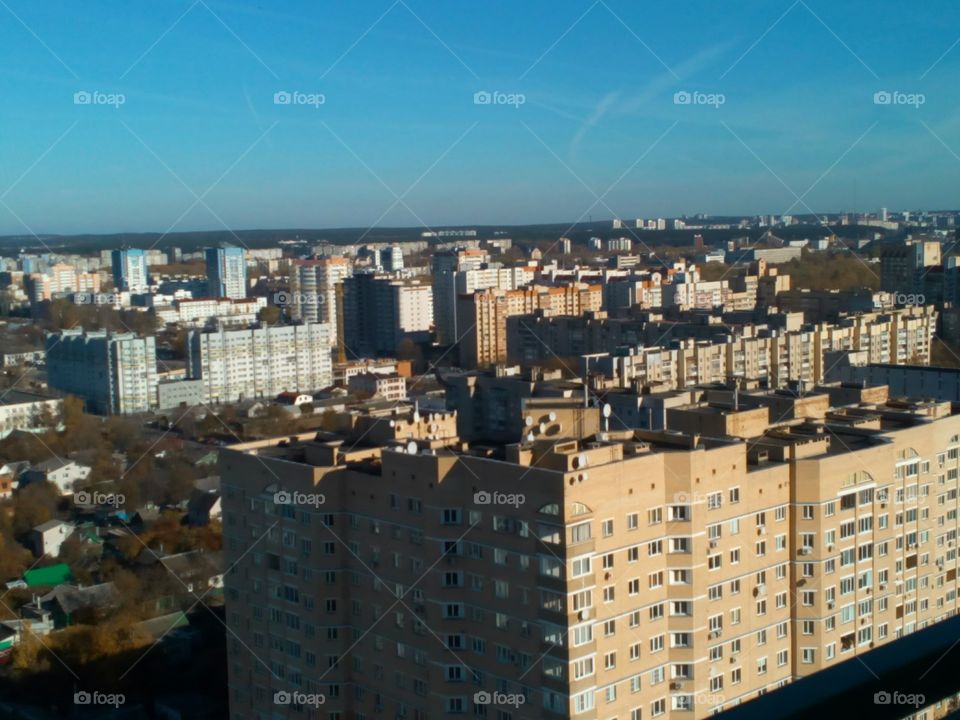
[49,576]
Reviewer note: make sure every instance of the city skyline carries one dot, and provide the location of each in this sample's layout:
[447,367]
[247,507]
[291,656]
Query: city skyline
[222,121]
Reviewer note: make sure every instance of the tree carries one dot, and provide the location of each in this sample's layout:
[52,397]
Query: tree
[34,505]
[269,315]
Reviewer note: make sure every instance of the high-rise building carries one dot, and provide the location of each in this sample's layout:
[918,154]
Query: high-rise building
[129,267]
[260,362]
[396,572]
[483,316]
[391,258]
[380,313]
[226,272]
[444,265]
[313,286]
[114,373]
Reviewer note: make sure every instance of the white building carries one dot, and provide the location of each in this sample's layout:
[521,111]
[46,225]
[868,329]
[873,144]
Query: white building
[65,474]
[48,537]
[261,362]
[200,311]
[116,374]
[25,411]
[313,290]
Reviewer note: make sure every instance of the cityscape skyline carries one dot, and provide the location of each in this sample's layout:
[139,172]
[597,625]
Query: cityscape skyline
[394,118]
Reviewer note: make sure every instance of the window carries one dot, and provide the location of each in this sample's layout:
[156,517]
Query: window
[633,521]
[734,495]
[655,516]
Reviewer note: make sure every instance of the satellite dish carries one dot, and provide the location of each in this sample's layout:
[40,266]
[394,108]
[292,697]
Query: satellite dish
[530,437]
[607,410]
[528,421]
[412,447]
[416,416]
[543,427]
[581,460]
[392,423]
[552,417]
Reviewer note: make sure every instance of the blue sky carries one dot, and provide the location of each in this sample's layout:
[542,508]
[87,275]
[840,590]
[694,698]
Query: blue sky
[598,79]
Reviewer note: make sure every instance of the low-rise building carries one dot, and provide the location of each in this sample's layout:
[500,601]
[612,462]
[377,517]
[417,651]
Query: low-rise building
[50,536]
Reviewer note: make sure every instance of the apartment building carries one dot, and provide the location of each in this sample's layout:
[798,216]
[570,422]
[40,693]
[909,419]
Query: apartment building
[114,373]
[390,570]
[775,357]
[226,272]
[445,267]
[313,285]
[482,316]
[60,279]
[260,362]
[129,267]
[381,313]
[197,312]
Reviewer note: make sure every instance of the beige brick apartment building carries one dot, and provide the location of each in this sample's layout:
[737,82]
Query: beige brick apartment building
[395,572]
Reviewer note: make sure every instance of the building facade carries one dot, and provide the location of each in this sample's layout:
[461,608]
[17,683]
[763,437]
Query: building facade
[129,268]
[226,272]
[630,574]
[114,373]
[260,362]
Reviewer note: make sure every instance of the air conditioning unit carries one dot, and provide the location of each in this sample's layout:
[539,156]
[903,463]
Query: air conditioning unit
[584,614]
[806,550]
[883,586]
[829,606]
[762,530]
[713,543]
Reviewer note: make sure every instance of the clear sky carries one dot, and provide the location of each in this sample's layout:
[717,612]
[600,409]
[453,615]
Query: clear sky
[782,106]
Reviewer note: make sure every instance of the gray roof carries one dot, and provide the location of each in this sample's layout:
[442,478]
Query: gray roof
[51,524]
[72,597]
